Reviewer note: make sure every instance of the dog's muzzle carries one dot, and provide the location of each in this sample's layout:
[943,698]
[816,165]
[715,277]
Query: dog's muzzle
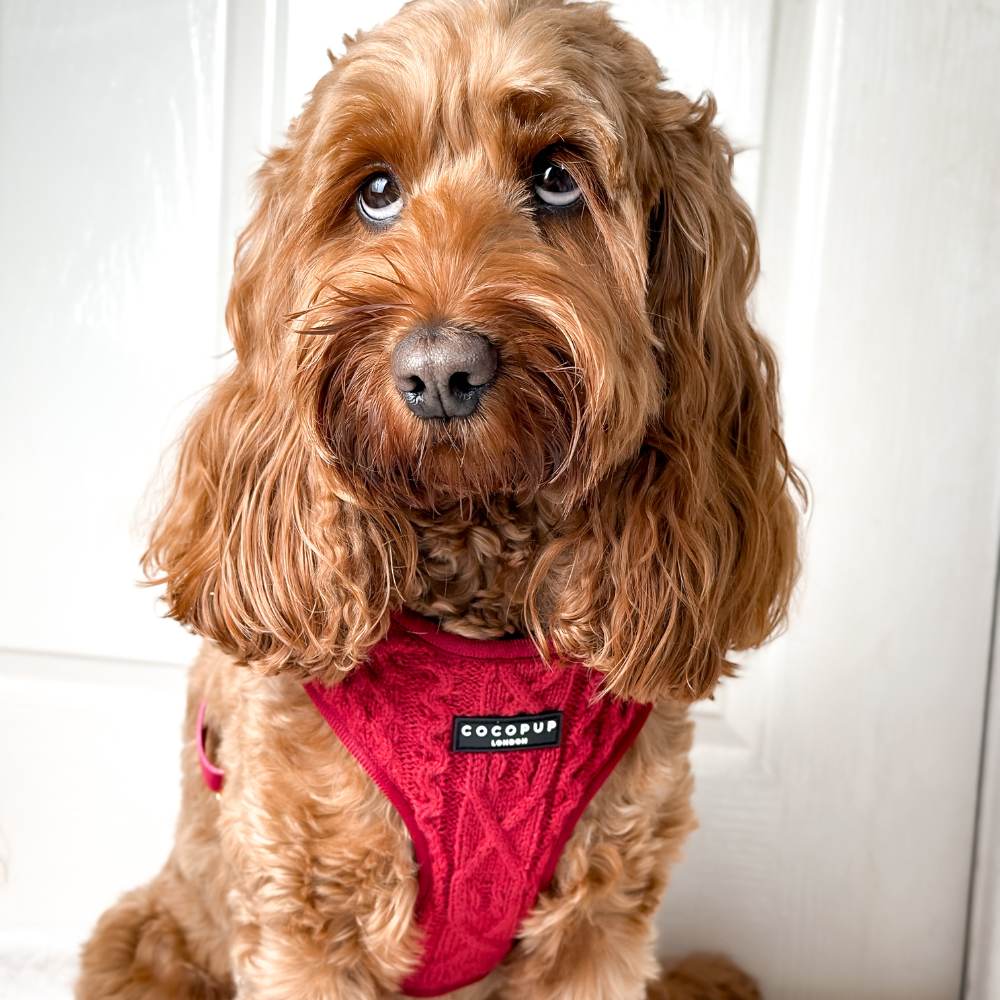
[443,372]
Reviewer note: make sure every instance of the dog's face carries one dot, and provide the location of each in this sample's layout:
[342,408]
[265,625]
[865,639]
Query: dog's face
[495,261]
[467,200]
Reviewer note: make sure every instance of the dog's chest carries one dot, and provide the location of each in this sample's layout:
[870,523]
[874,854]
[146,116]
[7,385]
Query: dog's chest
[490,755]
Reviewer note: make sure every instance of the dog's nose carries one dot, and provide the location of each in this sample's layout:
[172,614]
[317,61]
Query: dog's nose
[442,372]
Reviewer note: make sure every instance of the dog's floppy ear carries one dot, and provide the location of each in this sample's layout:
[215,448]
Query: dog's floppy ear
[256,548]
[690,549]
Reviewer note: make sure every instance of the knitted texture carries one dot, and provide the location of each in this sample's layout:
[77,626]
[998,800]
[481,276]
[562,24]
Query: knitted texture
[487,828]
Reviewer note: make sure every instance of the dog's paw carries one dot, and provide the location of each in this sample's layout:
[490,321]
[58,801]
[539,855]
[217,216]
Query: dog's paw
[704,977]
[138,952]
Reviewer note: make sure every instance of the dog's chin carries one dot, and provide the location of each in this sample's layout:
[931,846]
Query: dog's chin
[458,461]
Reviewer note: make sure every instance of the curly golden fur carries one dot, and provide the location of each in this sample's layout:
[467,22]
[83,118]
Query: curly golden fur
[621,494]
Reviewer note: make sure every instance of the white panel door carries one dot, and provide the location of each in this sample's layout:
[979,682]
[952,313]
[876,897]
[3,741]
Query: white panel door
[111,117]
[837,776]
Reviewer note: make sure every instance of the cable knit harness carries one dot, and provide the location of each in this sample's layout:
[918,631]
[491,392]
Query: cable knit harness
[490,755]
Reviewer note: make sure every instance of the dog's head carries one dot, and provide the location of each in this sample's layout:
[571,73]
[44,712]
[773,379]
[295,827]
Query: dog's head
[495,260]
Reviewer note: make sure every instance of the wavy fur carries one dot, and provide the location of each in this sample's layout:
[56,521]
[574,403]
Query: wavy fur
[622,492]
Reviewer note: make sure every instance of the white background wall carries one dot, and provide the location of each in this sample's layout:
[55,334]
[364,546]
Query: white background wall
[838,778]
[110,167]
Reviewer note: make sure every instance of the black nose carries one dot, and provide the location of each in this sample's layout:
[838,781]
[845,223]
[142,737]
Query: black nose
[443,372]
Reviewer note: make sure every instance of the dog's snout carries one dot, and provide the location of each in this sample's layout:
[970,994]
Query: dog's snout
[443,372]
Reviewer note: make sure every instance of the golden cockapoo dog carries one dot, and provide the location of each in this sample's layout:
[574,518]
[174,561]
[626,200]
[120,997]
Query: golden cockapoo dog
[494,366]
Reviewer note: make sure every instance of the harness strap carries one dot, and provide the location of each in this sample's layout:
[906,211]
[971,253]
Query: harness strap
[213,776]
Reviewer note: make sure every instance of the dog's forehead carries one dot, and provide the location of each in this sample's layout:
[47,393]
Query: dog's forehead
[449,74]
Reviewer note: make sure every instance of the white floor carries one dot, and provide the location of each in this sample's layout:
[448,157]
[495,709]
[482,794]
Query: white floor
[37,964]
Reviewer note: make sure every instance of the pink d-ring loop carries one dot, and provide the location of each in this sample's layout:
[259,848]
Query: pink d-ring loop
[212,775]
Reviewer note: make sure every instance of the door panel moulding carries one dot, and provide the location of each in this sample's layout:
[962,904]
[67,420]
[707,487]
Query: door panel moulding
[253,116]
[90,749]
[981,968]
[806,55]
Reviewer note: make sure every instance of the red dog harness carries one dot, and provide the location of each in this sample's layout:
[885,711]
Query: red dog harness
[490,755]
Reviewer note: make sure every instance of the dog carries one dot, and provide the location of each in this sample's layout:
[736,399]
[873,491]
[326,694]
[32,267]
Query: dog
[498,411]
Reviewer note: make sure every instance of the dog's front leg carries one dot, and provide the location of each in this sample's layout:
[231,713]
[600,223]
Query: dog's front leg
[323,880]
[283,963]
[590,937]
[315,949]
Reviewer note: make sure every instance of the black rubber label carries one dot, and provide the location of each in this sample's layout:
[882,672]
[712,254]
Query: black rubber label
[493,733]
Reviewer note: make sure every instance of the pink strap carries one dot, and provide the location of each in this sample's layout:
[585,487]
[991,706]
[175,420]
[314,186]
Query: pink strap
[213,775]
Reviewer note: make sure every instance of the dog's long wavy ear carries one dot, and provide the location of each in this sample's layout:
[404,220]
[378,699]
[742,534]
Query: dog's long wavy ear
[257,550]
[694,543]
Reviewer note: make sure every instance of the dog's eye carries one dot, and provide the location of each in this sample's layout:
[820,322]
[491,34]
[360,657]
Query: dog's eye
[380,198]
[554,184]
